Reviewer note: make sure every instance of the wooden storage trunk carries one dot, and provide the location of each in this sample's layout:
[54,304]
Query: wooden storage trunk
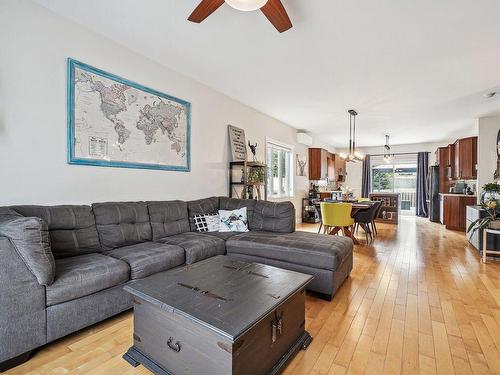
[219,317]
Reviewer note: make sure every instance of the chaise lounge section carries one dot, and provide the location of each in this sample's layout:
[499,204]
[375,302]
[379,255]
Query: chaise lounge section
[64,267]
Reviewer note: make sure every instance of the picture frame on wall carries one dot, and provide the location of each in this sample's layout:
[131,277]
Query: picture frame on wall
[114,122]
[301,165]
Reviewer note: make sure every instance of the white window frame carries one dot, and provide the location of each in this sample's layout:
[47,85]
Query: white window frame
[272,143]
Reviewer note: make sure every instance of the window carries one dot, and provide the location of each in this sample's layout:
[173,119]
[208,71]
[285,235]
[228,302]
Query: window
[280,173]
[398,175]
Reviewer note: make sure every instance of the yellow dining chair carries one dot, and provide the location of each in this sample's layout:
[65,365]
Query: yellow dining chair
[336,217]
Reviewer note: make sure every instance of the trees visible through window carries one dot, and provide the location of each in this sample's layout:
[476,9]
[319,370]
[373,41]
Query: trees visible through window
[280,162]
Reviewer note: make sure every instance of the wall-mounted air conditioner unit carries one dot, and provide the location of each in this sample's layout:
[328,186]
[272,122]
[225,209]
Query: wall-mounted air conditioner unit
[305,139]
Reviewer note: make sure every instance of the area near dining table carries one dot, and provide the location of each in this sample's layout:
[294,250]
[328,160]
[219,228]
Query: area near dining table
[348,230]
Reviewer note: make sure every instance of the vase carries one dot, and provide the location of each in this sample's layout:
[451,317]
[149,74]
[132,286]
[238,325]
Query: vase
[489,195]
[494,224]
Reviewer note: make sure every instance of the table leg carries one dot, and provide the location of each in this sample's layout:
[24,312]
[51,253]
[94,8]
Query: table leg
[485,240]
[348,233]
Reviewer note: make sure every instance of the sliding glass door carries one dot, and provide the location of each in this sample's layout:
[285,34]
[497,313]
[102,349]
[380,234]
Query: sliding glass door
[396,175]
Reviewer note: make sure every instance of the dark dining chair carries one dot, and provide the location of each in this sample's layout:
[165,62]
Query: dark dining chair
[365,219]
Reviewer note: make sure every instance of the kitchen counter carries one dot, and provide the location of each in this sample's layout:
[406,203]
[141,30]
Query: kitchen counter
[459,195]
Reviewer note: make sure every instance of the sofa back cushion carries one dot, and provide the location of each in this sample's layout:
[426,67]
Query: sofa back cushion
[72,229]
[168,218]
[202,207]
[122,223]
[273,217]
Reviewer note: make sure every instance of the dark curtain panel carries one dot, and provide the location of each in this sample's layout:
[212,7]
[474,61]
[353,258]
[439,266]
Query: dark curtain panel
[422,171]
[365,180]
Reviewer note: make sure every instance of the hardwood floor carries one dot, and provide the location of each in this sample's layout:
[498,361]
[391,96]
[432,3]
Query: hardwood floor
[418,301]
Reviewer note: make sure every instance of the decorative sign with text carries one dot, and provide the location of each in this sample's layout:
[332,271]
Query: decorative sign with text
[238,143]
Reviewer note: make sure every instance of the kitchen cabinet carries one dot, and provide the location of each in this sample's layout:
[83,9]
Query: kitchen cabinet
[325,165]
[330,166]
[454,210]
[340,168]
[443,161]
[465,154]
[318,164]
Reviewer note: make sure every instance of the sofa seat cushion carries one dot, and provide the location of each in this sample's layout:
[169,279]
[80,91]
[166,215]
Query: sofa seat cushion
[83,275]
[198,246]
[304,248]
[222,235]
[147,258]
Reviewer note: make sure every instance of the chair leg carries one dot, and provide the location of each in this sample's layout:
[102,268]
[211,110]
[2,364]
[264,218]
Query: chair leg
[320,226]
[374,228]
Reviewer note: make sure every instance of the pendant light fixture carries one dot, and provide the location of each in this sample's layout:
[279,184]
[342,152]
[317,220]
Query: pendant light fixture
[387,150]
[353,155]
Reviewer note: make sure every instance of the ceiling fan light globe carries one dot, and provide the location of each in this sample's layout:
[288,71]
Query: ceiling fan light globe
[246,5]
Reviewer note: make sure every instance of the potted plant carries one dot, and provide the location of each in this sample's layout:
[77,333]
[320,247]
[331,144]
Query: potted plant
[492,220]
[490,191]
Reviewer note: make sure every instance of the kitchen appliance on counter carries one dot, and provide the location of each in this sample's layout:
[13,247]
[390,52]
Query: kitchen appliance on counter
[459,188]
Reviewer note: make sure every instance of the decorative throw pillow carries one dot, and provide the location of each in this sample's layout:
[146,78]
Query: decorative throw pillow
[206,223]
[233,221]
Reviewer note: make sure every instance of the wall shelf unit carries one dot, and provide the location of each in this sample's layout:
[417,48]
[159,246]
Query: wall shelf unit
[244,187]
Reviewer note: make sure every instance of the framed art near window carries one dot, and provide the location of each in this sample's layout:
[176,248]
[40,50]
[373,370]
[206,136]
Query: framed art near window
[113,122]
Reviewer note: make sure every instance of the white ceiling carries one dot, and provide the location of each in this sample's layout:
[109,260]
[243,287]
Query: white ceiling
[416,70]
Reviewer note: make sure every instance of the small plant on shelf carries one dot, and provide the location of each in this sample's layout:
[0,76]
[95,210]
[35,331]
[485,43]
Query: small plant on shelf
[256,174]
[492,220]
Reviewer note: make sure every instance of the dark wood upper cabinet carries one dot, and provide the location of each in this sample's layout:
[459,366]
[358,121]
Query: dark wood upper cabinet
[324,164]
[318,164]
[465,158]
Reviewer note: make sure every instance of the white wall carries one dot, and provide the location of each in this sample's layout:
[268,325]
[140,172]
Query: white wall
[355,170]
[34,45]
[486,149]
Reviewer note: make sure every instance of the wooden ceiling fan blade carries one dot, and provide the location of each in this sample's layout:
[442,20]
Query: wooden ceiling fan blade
[204,9]
[276,14]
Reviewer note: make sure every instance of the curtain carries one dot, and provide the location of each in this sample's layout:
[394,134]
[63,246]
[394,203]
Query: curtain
[422,172]
[365,179]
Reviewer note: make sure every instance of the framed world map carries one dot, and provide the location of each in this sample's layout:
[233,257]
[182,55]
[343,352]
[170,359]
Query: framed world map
[113,122]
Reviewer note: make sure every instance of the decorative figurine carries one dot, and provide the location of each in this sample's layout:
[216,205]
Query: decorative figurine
[253,148]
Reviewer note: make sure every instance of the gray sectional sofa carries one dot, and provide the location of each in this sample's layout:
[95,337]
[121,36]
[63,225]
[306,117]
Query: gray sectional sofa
[63,268]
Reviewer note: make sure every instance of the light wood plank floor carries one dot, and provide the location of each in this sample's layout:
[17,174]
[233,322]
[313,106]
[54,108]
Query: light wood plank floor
[418,301]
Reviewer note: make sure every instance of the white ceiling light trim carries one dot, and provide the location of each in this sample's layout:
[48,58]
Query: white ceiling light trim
[246,5]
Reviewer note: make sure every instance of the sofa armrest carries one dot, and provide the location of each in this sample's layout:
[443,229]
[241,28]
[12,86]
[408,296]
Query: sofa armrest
[29,238]
[273,217]
[22,307]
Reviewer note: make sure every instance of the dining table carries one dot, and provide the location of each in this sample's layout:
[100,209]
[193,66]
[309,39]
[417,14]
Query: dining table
[356,206]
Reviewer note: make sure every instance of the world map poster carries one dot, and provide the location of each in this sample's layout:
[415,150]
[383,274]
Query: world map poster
[114,122]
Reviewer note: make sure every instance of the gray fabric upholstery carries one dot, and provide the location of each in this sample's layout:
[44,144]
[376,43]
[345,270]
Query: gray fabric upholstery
[22,307]
[273,217]
[198,246]
[226,203]
[168,218]
[222,235]
[122,224]
[325,281]
[83,275]
[202,207]
[304,248]
[30,238]
[72,228]
[68,317]
[147,258]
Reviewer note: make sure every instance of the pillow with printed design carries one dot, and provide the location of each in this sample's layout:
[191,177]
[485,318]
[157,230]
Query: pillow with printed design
[233,221]
[207,223]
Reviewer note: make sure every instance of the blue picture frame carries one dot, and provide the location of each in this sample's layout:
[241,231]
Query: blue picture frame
[72,159]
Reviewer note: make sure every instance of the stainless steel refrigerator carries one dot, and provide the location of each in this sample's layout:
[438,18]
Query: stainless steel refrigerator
[433,189]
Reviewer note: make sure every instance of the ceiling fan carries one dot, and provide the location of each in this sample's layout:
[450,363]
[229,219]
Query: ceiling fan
[272,9]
